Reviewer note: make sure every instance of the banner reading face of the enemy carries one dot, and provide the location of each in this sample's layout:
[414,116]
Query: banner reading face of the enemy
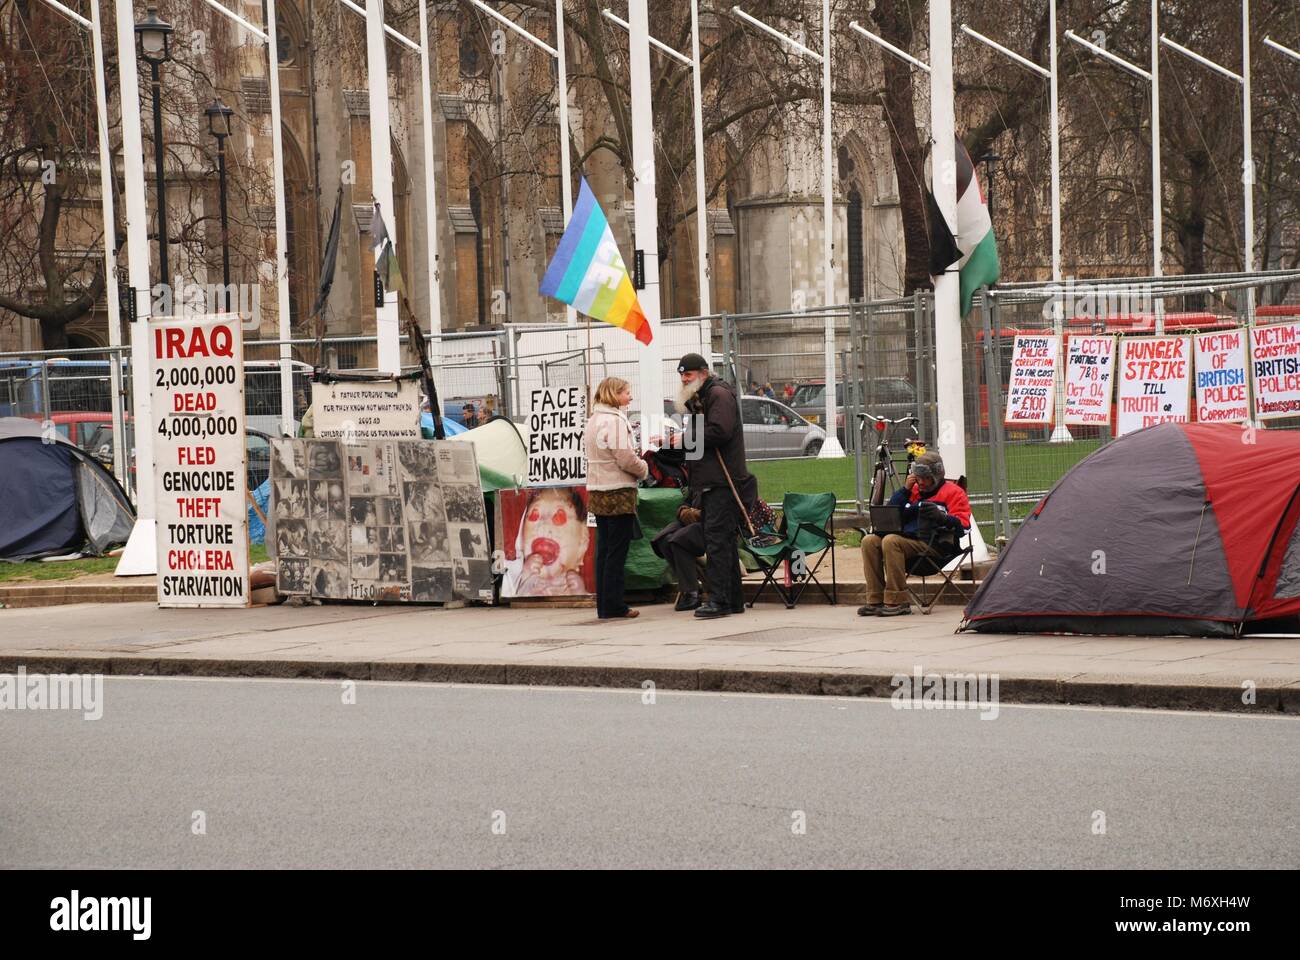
[1275,362]
[556,419]
[1089,380]
[1155,382]
[1031,392]
[200,472]
[1221,377]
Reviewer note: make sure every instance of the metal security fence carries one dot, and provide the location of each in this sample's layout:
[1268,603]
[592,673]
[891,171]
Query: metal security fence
[886,367]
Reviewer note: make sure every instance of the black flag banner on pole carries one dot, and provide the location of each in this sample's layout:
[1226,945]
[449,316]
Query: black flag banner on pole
[331,256]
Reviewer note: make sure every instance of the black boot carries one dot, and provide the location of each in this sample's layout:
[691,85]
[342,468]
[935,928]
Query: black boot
[711,611]
[687,601]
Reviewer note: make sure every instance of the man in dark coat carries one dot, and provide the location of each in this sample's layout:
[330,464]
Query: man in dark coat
[714,441]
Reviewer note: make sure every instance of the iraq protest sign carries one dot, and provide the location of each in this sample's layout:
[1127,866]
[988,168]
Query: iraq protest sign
[1089,380]
[1221,377]
[556,419]
[1275,363]
[1032,390]
[1155,382]
[200,472]
[350,411]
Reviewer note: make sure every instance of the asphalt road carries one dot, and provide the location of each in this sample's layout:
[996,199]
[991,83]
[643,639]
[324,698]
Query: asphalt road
[411,775]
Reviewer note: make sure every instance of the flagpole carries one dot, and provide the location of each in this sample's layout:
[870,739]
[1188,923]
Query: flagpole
[140,556]
[389,358]
[651,401]
[947,311]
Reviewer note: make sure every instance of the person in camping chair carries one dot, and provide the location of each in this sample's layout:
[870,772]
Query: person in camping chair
[936,512]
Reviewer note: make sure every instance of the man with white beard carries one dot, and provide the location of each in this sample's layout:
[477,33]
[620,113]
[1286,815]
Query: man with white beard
[715,441]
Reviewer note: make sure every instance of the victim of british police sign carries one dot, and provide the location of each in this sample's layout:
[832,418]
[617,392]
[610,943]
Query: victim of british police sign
[556,419]
[200,471]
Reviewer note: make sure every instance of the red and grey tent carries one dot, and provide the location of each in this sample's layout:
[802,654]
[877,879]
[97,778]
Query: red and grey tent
[1187,529]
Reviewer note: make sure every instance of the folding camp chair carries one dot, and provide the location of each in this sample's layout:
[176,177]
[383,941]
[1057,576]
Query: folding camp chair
[808,523]
[929,566]
[945,566]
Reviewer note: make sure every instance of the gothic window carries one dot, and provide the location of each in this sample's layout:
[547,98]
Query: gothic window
[480,269]
[473,57]
[857,253]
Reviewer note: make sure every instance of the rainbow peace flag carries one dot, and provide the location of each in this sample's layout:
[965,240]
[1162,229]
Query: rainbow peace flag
[588,274]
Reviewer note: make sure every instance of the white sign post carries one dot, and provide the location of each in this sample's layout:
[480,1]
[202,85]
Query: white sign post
[1155,382]
[1221,395]
[1275,363]
[1032,387]
[1089,380]
[200,469]
[556,420]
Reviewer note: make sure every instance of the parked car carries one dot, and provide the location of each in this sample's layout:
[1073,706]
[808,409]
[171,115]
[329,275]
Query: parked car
[773,430]
[890,397]
[78,426]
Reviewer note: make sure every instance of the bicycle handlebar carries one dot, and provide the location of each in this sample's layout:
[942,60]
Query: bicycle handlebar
[867,416]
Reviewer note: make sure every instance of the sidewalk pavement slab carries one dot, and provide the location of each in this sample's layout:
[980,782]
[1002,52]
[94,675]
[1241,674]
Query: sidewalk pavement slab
[821,650]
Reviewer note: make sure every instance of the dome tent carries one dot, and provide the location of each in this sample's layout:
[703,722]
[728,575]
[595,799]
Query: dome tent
[1182,528]
[55,498]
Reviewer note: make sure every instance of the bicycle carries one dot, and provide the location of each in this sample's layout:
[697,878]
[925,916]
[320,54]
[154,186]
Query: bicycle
[884,473]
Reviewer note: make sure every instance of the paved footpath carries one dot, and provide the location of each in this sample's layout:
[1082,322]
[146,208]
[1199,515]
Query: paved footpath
[810,650]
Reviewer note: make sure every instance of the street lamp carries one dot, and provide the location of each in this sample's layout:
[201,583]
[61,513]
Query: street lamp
[153,42]
[218,115]
[990,161]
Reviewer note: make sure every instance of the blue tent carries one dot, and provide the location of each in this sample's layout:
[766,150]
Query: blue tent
[55,498]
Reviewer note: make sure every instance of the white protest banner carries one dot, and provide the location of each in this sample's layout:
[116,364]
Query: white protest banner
[1221,377]
[355,412]
[556,418]
[200,471]
[1155,382]
[1089,380]
[1275,360]
[1031,392]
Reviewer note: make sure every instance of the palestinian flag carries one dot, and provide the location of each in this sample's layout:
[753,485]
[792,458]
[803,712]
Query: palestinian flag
[978,262]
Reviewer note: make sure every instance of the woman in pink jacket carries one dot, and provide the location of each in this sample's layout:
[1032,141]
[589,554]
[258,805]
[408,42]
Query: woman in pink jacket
[613,469]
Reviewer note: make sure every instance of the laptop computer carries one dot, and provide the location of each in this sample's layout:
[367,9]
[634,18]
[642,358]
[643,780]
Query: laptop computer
[886,519]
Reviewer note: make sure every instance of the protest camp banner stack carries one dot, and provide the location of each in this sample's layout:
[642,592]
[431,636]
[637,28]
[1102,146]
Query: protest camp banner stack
[380,520]
[1031,392]
[1089,380]
[200,466]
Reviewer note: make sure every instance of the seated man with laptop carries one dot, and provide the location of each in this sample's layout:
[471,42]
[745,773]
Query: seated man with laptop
[925,518]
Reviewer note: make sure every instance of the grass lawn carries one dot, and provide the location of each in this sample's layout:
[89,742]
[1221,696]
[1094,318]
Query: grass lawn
[1031,467]
[71,569]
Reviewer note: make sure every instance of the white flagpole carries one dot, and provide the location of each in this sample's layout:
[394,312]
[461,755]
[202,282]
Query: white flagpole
[947,316]
[430,194]
[1247,160]
[121,469]
[701,210]
[562,94]
[381,177]
[281,227]
[1157,190]
[140,557]
[831,447]
[1061,433]
[651,368]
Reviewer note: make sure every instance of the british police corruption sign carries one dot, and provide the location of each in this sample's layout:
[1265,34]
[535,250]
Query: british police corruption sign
[200,471]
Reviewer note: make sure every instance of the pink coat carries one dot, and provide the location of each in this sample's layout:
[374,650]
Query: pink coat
[612,458]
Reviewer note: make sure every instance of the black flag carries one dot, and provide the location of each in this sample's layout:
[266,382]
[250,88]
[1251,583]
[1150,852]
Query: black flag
[943,245]
[331,255]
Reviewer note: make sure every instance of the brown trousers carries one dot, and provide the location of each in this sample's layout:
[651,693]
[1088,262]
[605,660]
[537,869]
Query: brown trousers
[884,561]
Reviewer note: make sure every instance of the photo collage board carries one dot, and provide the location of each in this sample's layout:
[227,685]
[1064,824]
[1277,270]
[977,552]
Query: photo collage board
[381,520]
